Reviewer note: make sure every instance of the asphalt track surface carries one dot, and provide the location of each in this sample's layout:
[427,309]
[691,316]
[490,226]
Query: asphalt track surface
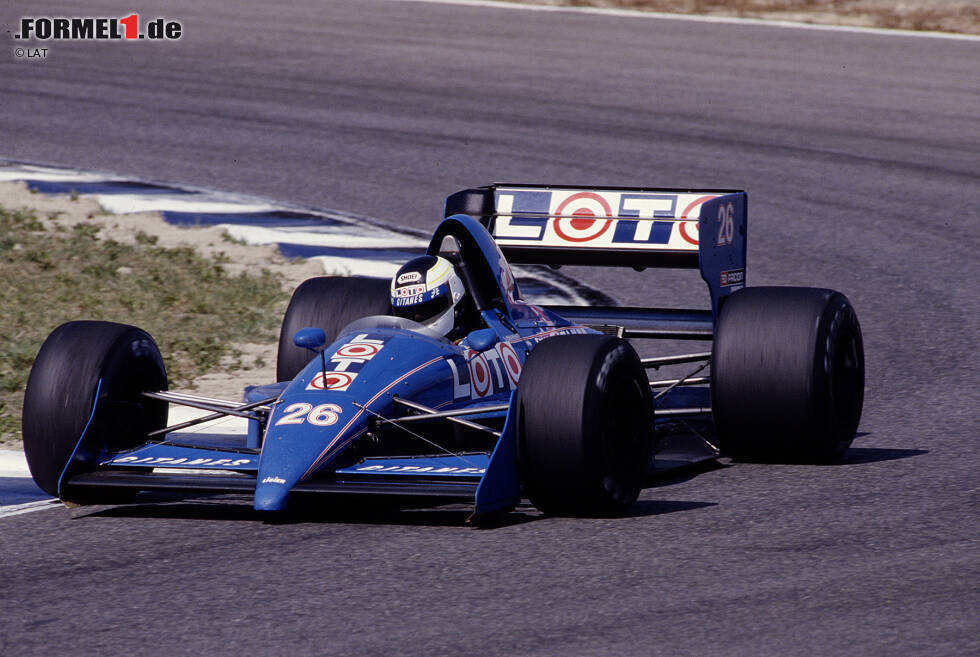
[861,156]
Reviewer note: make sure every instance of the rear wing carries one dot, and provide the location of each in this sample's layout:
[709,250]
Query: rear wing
[616,226]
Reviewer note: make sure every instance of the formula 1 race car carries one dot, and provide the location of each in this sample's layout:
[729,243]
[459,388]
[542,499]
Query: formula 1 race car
[546,403]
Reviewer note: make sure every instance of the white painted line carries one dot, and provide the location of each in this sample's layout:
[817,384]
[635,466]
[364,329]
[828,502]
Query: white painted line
[28,507]
[703,18]
[341,240]
[126,203]
[23,173]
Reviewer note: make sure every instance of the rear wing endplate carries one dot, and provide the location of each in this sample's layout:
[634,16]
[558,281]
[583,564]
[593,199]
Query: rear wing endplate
[615,226]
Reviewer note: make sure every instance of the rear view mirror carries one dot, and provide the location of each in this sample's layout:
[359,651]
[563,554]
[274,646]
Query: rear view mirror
[481,340]
[310,338]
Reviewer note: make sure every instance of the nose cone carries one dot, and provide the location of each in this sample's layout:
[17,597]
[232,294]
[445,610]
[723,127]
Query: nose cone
[304,432]
[320,413]
[271,495]
[296,447]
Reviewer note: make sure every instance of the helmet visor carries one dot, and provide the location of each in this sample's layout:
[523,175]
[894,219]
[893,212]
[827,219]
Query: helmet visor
[424,311]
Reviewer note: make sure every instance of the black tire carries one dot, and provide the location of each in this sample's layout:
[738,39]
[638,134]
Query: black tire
[585,425]
[61,394]
[787,380]
[329,303]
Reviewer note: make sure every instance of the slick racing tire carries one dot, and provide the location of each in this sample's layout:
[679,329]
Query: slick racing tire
[585,425]
[79,363]
[787,379]
[329,303]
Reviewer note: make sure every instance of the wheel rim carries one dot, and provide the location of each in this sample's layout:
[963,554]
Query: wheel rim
[847,382]
[623,435]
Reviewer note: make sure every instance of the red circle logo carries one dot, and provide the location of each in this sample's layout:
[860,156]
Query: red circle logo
[511,362]
[685,227]
[582,224]
[358,350]
[332,381]
[479,374]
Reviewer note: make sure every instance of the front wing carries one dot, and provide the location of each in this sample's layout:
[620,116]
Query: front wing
[222,463]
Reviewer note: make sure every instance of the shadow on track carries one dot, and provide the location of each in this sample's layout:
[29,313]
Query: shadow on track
[859,455]
[239,509]
[661,507]
[683,473]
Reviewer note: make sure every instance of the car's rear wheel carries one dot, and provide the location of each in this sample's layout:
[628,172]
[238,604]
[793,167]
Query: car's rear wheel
[64,429]
[585,425]
[787,380]
[328,303]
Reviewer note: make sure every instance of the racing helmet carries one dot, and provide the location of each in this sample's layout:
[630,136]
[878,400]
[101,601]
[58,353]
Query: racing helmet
[428,290]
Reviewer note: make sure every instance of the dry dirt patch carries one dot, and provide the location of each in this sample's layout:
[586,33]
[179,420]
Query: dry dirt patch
[931,15]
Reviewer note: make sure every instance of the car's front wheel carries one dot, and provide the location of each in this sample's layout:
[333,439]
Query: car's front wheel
[84,398]
[585,425]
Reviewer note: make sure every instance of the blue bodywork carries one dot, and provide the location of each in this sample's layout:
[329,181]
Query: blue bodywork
[371,364]
[321,434]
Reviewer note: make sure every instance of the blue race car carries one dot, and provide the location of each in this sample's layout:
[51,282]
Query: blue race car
[446,385]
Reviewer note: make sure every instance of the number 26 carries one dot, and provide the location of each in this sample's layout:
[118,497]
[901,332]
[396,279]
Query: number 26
[726,224]
[322,416]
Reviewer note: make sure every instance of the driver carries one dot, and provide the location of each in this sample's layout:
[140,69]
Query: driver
[428,290]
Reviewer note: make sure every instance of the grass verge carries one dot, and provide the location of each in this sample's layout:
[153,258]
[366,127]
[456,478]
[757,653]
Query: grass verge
[194,308]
